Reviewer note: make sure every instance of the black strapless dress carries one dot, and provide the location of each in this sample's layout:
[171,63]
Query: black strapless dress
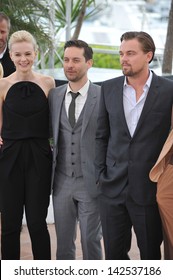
[25,169]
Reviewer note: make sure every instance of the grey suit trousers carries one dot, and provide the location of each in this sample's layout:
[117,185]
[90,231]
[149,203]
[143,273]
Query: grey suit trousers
[72,204]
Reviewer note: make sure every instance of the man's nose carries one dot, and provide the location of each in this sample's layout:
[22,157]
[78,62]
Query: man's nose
[70,64]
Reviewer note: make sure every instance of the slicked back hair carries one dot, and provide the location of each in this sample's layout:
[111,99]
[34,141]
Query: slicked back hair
[143,38]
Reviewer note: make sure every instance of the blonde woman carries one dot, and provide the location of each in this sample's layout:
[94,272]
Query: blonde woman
[25,158]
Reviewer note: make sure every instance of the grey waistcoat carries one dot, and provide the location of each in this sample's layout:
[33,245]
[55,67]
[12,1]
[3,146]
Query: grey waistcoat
[69,153]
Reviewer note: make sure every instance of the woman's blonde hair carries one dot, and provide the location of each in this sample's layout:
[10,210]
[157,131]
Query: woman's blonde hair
[1,71]
[22,36]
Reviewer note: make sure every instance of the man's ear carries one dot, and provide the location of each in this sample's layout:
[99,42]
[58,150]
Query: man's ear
[90,63]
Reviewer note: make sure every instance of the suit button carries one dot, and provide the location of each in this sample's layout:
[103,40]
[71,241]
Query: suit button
[73,163]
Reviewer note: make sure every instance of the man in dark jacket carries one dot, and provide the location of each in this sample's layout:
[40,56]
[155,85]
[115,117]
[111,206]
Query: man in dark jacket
[134,121]
[5,59]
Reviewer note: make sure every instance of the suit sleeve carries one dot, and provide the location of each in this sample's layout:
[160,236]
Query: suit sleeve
[102,136]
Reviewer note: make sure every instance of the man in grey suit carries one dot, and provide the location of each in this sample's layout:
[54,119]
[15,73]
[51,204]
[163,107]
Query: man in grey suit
[74,109]
[133,123]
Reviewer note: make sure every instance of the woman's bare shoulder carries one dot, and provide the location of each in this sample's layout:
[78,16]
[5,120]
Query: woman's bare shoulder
[5,84]
[46,79]
[4,81]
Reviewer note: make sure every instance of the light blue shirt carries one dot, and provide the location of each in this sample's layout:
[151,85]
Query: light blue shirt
[133,108]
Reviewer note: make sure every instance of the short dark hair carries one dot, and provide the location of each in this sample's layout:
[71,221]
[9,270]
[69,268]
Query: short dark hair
[144,38]
[88,52]
[4,16]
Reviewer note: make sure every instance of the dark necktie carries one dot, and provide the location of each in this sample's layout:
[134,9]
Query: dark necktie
[71,110]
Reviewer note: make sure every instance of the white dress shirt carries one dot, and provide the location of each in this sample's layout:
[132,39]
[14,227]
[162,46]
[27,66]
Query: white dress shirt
[133,108]
[80,100]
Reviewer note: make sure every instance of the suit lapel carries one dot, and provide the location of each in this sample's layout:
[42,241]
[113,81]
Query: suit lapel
[150,101]
[118,93]
[89,107]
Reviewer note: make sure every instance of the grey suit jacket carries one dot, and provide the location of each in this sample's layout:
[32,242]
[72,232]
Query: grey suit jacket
[87,143]
[122,159]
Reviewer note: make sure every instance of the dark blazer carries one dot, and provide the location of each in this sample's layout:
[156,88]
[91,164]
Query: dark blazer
[87,143]
[122,159]
[7,63]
